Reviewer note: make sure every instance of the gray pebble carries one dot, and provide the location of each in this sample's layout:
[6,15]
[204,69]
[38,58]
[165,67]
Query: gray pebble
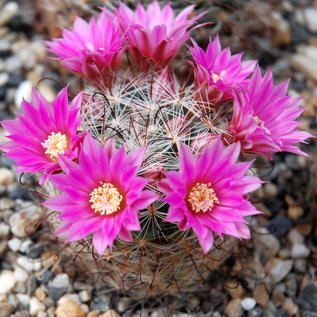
[32,285]
[100,302]
[35,250]
[60,281]
[45,276]
[13,64]
[55,293]
[281,269]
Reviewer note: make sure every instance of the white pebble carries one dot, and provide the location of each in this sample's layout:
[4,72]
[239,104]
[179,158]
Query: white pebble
[300,251]
[24,300]
[42,314]
[85,296]
[20,274]
[248,303]
[25,245]
[7,281]
[8,12]
[24,91]
[14,244]
[36,306]
[37,265]
[4,230]
[69,297]
[26,263]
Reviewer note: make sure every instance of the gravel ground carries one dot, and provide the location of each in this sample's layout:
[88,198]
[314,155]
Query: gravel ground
[272,275]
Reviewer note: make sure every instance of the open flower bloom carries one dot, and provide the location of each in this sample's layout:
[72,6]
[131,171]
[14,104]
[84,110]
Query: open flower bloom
[154,36]
[43,132]
[218,74]
[90,48]
[208,192]
[264,119]
[101,195]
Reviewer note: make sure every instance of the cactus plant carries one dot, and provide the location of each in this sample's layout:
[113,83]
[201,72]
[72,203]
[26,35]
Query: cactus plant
[149,173]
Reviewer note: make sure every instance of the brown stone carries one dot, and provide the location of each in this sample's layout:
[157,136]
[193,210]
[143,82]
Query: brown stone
[6,309]
[278,298]
[69,309]
[234,289]
[295,212]
[234,308]
[40,294]
[261,295]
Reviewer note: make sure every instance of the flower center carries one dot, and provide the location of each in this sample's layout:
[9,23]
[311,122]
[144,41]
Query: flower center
[215,77]
[202,197]
[105,199]
[55,144]
[261,124]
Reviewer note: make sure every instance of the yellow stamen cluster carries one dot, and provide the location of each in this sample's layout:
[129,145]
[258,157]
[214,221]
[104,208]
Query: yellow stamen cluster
[105,199]
[215,77]
[202,198]
[55,144]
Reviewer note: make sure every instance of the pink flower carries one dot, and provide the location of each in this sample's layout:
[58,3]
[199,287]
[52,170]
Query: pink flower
[154,36]
[218,74]
[101,195]
[90,48]
[264,120]
[43,132]
[208,192]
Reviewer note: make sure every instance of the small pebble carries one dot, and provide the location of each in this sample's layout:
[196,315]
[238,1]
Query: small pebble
[6,309]
[14,244]
[20,274]
[24,91]
[40,294]
[281,269]
[300,251]
[25,245]
[234,308]
[7,281]
[261,295]
[4,230]
[85,296]
[6,176]
[69,309]
[295,237]
[36,306]
[24,300]
[60,281]
[248,303]
[7,12]
[25,263]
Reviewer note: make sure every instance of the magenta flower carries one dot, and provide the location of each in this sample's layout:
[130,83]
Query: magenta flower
[90,48]
[101,195]
[154,36]
[43,132]
[208,192]
[264,119]
[218,74]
